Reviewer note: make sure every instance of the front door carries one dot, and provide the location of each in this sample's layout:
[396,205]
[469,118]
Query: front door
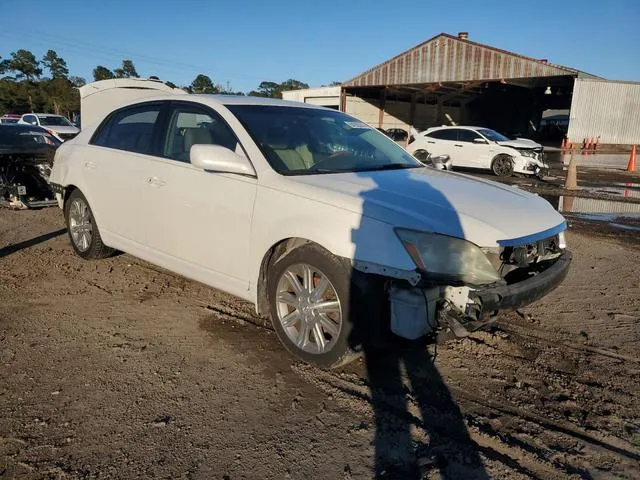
[199,222]
[470,152]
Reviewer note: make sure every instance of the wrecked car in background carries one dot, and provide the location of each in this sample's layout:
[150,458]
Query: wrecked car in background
[26,157]
[482,148]
[331,229]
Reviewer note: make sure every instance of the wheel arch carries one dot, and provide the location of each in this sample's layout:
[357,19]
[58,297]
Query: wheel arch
[68,190]
[273,254]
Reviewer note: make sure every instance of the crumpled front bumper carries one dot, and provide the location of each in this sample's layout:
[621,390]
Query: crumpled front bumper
[530,166]
[524,292]
[485,303]
[421,307]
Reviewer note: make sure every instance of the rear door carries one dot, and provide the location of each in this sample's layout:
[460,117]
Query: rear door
[198,222]
[114,170]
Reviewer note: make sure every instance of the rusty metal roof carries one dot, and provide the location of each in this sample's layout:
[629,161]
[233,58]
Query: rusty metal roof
[446,58]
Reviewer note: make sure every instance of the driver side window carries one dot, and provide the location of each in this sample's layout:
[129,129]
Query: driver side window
[190,125]
[467,136]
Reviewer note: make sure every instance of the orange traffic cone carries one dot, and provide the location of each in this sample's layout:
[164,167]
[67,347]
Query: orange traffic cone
[571,182]
[631,166]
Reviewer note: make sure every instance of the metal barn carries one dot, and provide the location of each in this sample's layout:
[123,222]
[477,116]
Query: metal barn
[451,79]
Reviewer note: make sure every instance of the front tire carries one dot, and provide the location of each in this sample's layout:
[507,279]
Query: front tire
[82,228]
[309,296]
[502,165]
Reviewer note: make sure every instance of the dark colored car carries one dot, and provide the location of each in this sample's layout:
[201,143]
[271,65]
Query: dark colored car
[397,134]
[9,118]
[26,157]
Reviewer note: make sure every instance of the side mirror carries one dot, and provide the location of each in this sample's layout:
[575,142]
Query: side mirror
[214,158]
[480,140]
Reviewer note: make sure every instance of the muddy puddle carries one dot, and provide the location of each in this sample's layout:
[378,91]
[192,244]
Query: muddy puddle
[628,190]
[617,214]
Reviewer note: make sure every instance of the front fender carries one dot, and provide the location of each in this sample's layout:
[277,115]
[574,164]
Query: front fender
[279,216]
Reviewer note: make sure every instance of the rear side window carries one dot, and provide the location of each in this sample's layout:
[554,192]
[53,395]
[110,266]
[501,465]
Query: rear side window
[30,119]
[446,134]
[130,129]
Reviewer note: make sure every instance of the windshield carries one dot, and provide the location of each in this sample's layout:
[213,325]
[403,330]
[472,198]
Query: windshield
[54,121]
[492,135]
[301,141]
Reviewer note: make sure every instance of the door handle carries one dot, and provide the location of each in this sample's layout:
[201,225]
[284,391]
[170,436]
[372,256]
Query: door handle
[156,182]
[458,145]
[430,141]
[90,165]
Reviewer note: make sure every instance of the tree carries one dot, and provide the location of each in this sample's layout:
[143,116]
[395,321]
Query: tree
[203,84]
[292,84]
[60,96]
[266,89]
[77,81]
[127,70]
[55,64]
[102,73]
[24,64]
[274,90]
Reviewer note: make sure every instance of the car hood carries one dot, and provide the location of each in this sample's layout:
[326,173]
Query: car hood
[426,199]
[520,143]
[62,129]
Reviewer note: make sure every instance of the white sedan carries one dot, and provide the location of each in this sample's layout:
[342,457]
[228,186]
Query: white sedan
[56,125]
[482,148]
[324,223]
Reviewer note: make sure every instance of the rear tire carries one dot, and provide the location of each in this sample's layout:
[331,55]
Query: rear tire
[317,335]
[83,230]
[502,165]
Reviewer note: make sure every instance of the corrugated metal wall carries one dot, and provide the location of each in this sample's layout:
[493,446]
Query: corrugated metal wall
[608,109]
[396,114]
[449,59]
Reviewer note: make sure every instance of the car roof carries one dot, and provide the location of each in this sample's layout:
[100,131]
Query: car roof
[14,127]
[445,127]
[226,100]
[43,114]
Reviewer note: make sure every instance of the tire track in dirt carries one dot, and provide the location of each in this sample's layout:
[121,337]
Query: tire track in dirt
[354,393]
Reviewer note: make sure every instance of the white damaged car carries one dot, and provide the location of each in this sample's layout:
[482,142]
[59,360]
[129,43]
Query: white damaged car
[325,224]
[482,148]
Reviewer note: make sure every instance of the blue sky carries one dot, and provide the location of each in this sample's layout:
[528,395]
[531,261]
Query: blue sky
[316,41]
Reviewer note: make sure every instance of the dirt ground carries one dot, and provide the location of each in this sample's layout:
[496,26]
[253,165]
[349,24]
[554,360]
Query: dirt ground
[117,369]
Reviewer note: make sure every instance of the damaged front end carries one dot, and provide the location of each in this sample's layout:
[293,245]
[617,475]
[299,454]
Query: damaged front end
[24,180]
[467,288]
[532,161]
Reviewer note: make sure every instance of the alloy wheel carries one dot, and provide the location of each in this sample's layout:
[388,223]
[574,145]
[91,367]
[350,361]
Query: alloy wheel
[308,308]
[80,224]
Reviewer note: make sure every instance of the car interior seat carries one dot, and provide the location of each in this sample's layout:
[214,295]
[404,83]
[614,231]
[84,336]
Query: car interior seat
[195,136]
[278,141]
